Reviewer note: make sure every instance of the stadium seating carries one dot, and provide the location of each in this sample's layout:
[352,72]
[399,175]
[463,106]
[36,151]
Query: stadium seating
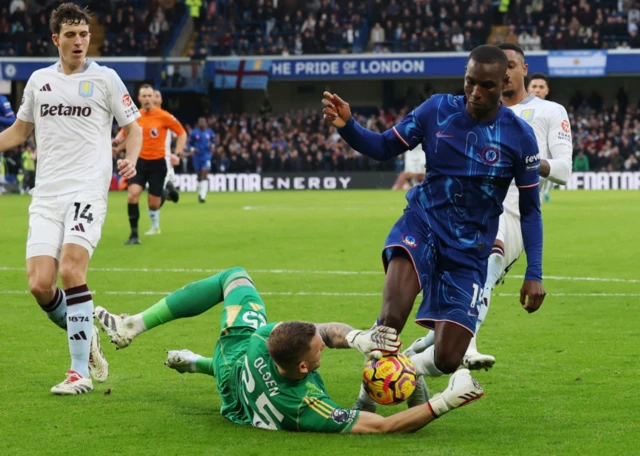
[119,28]
[246,27]
[609,135]
[380,26]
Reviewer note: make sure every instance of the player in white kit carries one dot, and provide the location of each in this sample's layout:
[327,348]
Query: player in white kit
[170,191]
[551,126]
[415,162]
[539,86]
[72,104]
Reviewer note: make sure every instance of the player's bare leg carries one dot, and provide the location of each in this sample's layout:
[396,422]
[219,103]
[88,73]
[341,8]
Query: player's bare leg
[446,355]
[402,182]
[203,185]
[133,197]
[473,359]
[42,272]
[155,202]
[400,290]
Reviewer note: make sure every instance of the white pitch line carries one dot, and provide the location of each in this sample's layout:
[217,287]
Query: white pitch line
[327,293]
[320,272]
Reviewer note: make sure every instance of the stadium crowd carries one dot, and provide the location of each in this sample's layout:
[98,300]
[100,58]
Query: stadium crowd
[131,27]
[606,137]
[248,27]
[257,27]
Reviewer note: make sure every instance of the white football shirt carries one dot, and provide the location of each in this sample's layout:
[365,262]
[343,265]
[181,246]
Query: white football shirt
[73,115]
[551,126]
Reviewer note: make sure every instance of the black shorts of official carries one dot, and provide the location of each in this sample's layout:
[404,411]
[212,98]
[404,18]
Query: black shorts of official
[152,172]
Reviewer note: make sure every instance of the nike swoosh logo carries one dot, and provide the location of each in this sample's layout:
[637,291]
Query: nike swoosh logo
[440,135]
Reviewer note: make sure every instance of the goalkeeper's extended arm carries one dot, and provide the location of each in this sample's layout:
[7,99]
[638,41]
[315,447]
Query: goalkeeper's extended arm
[372,342]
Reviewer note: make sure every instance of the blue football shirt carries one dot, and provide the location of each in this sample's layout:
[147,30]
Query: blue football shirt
[470,165]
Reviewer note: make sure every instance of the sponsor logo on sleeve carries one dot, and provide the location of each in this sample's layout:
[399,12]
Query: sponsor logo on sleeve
[126,100]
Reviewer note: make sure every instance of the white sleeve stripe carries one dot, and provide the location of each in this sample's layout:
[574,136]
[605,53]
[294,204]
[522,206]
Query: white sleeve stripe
[529,186]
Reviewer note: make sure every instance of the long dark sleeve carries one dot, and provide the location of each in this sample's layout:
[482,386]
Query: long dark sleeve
[379,146]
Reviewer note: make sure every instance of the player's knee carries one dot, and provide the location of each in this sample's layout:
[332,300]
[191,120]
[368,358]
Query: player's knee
[72,272]
[132,198]
[447,361]
[42,288]
[154,206]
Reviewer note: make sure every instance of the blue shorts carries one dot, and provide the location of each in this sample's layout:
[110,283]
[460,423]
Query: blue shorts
[451,291]
[201,162]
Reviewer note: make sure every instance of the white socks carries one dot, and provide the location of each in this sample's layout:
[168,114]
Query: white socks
[203,188]
[136,323]
[79,327]
[425,363]
[495,267]
[155,218]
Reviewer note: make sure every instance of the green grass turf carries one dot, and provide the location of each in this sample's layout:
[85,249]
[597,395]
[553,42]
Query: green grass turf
[565,381]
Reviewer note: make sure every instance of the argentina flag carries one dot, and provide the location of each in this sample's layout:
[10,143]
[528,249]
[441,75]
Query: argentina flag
[577,63]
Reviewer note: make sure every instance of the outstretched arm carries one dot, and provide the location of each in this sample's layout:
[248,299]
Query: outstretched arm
[334,334]
[372,342]
[379,146]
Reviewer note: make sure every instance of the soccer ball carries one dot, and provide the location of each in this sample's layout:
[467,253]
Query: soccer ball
[390,380]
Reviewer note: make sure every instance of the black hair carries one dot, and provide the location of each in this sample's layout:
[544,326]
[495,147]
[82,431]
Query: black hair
[511,47]
[490,55]
[70,14]
[539,76]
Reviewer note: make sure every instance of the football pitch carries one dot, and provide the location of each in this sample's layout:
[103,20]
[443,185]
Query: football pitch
[565,381]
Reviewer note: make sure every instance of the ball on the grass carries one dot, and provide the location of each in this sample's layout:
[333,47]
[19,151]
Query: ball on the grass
[390,380]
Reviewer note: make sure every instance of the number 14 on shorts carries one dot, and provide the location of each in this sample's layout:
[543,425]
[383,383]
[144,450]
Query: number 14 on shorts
[85,214]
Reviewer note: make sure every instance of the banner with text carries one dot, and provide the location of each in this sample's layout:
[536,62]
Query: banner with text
[253,72]
[253,182]
[288,181]
[626,180]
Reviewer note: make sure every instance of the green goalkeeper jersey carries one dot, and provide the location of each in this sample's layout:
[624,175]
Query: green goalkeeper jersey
[268,400]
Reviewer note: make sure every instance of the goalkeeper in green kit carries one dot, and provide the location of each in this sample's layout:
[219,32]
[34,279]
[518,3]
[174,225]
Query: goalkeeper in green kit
[267,373]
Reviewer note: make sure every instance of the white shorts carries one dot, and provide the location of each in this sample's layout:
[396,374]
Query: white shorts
[415,162]
[74,218]
[510,233]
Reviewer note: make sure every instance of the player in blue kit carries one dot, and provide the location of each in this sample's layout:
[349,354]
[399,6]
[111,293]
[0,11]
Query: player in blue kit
[475,146]
[7,118]
[201,141]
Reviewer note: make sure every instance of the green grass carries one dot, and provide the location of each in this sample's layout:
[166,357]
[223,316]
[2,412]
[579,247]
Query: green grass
[565,381]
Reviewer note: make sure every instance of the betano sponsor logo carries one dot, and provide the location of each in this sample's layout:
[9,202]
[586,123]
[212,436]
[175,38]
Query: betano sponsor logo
[63,110]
